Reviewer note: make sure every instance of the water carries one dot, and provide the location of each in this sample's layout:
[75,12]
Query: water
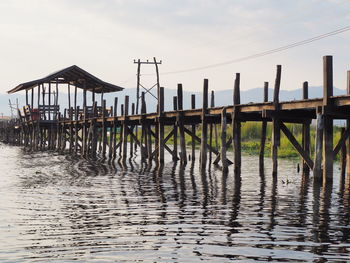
[60,209]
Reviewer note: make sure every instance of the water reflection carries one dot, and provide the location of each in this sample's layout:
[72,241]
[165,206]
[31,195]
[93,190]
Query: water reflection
[63,208]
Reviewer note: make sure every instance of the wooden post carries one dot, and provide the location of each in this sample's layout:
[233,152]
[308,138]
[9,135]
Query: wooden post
[183,154]
[104,130]
[132,130]
[328,120]
[69,100]
[32,98]
[75,102]
[263,131]
[175,131]
[223,141]
[125,130]
[276,123]
[203,157]
[39,95]
[342,161]
[212,105]
[27,101]
[84,132]
[115,128]
[161,126]
[306,133]
[76,130]
[236,126]
[348,126]
[193,128]
[111,135]
[49,111]
[318,145]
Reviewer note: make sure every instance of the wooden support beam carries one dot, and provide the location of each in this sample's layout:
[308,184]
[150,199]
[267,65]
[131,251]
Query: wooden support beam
[317,171]
[203,157]
[132,129]
[297,146]
[342,161]
[223,141]
[175,131]
[263,131]
[115,127]
[306,133]
[328,120]
[236,126]
[125,130]
[212,105]
[276,123]
[343,138]
[193,129]
[183,154]
[161,143]
[348,126]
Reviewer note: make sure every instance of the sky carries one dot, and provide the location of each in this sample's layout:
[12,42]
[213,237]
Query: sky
[38,37]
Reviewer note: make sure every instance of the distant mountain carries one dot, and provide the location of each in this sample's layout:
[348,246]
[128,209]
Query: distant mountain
[222,97]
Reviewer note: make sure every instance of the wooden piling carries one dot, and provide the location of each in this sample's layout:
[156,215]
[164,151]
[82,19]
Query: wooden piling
[328,120]
[263,131]
[183,154]
[212,105]
[161,126]
[306,133]
[203,154]
[223,141]
[276,123]
[125,129]
[115,127]
[175,131]
[236,126]
[348,127]
[317,171]
[193,129]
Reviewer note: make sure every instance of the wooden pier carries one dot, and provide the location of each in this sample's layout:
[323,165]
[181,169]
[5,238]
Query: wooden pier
[94,131]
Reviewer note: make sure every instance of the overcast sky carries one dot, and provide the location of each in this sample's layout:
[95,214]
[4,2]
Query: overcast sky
[103,37]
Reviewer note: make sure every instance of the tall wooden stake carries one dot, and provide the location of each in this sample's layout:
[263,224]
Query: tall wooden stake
[328,120]
[306,133]
[203,157]
[276,123]
[236,126]
[263,132]
[161,126]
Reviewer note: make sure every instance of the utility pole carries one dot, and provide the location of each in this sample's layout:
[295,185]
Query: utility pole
[147,90]
[138,84]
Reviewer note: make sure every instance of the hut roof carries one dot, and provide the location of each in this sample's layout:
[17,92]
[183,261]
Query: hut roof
[72,75]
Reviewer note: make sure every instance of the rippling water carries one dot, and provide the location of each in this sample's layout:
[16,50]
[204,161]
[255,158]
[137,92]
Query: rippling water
[57,208]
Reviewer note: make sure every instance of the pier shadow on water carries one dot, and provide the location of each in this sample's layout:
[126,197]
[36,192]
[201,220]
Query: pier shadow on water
[61,208]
